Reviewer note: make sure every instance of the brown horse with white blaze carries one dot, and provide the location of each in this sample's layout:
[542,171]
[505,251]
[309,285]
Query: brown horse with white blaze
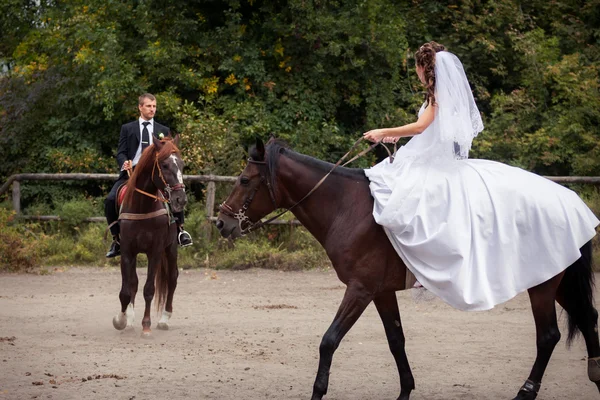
[339,215]
[147,227]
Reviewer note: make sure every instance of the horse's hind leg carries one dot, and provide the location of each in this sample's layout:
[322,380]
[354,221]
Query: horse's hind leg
[387,306]
[356,299]
[589,328]
[587,323]
[574,296]
[547,334]
[129,284]
[172,275]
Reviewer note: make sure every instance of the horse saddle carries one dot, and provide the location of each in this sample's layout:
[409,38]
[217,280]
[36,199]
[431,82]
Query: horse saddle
[121,195]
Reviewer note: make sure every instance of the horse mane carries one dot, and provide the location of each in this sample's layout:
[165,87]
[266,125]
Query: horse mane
[275,147]
[146,163]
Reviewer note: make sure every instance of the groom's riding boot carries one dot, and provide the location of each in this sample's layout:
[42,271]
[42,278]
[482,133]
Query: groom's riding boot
[115,248]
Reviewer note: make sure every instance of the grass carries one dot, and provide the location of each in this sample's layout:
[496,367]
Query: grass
[25,245]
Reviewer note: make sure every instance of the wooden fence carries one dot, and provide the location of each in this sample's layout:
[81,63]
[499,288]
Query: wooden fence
[210,180]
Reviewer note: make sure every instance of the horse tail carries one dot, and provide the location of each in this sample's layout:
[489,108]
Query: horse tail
[578,291]
[161,283]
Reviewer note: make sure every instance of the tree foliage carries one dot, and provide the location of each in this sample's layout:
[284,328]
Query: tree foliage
[316,73]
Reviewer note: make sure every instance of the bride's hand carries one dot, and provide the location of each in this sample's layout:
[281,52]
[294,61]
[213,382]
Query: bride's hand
[374,135]
[390,139]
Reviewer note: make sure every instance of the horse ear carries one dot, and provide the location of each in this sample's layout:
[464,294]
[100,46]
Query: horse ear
[158,144]
[260,148]
[176,139]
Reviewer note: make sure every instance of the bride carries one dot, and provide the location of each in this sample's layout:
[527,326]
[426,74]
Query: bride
[474,232]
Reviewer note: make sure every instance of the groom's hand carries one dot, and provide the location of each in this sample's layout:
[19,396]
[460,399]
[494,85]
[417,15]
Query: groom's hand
[126,166]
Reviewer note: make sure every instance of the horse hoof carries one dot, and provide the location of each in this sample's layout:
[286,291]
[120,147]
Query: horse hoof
[162,326]
[525,395]
[146,334]
[120,322]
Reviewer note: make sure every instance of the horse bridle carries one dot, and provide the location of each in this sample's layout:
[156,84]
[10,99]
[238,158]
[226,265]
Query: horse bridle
[165,199]
[241,216]
[166,190]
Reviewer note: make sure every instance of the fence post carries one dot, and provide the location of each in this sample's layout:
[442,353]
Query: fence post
[210,207]
[16,196]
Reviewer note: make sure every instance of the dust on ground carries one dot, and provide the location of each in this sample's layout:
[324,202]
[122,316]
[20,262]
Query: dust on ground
[255,334]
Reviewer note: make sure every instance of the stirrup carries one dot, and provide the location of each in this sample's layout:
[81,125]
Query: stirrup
[184,233]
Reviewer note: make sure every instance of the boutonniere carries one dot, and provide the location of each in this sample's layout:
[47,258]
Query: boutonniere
[161,136]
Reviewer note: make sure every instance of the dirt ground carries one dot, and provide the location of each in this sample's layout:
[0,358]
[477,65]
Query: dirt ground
[255,335]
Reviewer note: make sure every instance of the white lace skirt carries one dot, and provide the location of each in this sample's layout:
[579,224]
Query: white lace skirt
[476,232]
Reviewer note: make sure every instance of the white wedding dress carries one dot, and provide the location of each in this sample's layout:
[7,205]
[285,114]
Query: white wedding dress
[473,232]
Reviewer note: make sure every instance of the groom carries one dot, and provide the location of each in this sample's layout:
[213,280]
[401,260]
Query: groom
[135,137]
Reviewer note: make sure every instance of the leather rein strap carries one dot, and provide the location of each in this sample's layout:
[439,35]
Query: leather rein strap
[241,215]
[168,189]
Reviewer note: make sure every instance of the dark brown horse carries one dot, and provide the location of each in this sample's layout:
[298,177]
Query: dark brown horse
[339,215]
[147,227]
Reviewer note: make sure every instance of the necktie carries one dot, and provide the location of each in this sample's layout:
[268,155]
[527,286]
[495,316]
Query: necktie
[145,135]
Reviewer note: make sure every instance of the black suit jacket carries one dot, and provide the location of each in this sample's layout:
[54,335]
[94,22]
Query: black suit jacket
[129,140]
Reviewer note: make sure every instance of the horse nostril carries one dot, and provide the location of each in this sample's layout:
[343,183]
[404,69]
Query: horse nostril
[220,224]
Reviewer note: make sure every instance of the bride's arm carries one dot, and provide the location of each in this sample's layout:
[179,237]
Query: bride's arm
[411,129]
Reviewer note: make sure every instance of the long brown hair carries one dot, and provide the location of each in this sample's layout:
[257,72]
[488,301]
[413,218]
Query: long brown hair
[146,163]
[425,58]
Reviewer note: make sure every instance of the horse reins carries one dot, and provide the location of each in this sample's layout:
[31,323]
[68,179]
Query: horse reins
[165,199]
[168,189]
[241,216]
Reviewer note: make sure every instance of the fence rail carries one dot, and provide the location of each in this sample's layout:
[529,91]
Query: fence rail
[15,181]
[211,180]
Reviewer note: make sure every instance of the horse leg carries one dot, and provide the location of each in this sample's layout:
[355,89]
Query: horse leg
[576,296]
[134,281]
[589,328]
[173,274]
[154,261]
[127,293]
[356,299]
[387,306]
[542,299]
[587,323]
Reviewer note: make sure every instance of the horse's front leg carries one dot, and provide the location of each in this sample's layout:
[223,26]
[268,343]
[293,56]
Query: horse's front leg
[154,262]
[356,299]
[544,313]
[387,306]
[172,275]
[129,284]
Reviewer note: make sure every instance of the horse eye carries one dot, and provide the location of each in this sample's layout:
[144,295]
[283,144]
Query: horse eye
[244,180]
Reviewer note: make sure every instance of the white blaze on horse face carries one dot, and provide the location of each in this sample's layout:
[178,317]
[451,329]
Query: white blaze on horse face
[179,175]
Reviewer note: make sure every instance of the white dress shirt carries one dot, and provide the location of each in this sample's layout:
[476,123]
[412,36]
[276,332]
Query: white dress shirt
[150,128]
